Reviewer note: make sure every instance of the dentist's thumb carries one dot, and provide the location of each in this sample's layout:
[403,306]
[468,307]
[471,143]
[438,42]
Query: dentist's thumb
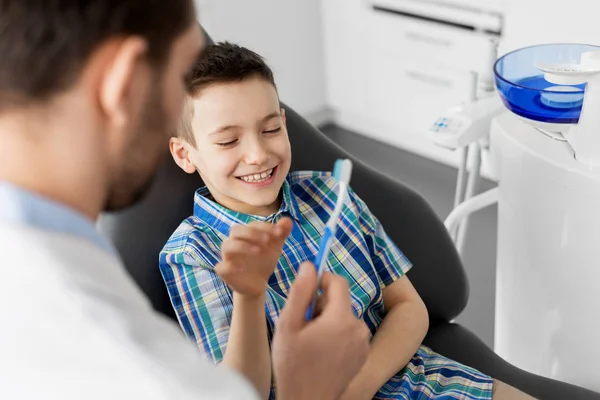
[293,316]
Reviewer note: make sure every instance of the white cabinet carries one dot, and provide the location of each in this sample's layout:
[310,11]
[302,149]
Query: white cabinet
[392,67]
[417,69]
[428,41]
[409,94]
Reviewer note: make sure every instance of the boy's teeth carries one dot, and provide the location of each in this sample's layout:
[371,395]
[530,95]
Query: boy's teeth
[257,177]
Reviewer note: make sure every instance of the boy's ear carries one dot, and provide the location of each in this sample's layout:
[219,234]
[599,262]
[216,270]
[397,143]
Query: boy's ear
[283,117]
[181,155]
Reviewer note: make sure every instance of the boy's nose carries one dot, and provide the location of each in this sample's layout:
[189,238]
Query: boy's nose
[257,155]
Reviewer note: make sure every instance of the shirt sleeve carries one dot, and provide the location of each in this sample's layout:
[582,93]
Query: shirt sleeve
[389,261]
[202,301]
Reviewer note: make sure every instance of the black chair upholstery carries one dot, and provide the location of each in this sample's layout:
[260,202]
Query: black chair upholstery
[139,234]
[408,219]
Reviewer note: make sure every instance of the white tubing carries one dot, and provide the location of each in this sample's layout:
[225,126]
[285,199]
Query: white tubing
[462,173]
[332,223]
[472,205]
[470,192]
[460,181]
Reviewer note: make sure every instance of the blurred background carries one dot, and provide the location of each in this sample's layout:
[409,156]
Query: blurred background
[374,75]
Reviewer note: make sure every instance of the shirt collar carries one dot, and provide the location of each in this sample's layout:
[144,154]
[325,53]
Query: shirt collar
[222,219]
[26,207]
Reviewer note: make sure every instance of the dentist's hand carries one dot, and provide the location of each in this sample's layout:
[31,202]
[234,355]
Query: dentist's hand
[317,359]
[250,254]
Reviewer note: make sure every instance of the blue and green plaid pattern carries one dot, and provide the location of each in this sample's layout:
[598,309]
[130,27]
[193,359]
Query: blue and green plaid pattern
[361,251]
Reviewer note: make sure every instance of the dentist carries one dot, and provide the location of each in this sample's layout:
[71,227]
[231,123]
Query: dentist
[89,92]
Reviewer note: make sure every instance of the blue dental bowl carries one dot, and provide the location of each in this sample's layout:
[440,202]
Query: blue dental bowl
[525,92]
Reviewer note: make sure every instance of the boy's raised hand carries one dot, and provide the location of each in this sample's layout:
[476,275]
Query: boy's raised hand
[250,255]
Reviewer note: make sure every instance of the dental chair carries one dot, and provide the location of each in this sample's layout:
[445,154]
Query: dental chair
[140,232]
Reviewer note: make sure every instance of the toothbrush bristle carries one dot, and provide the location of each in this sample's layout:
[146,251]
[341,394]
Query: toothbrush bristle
[342,170]
[337,169]
[346,171]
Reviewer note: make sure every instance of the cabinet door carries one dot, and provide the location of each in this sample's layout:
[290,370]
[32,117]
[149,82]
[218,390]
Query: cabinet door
[429,41]
[410,94]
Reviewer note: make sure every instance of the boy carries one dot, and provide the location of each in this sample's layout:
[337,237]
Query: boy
[228,268]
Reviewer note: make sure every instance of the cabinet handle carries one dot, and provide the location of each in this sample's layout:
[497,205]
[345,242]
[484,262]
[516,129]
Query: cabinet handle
[434,41]
[429,79]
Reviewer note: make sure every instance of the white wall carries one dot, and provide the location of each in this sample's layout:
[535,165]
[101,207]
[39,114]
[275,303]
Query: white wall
[287,33]
[531,22]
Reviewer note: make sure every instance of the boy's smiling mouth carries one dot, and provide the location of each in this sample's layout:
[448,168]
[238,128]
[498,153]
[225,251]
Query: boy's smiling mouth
[259,177]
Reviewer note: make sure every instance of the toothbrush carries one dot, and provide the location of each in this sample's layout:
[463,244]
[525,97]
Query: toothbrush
[341,172]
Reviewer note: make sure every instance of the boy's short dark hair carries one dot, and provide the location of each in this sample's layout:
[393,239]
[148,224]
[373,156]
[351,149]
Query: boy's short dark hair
[220,63]
[44,44]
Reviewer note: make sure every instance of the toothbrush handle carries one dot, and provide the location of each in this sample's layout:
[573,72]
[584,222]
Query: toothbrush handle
[320,264]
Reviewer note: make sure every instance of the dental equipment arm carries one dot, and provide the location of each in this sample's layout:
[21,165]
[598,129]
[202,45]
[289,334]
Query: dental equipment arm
[464,128]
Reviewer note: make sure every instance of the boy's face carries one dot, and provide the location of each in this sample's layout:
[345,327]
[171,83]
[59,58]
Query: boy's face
[242,149]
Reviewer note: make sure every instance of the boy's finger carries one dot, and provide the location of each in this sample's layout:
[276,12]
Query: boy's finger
[293,315]
[224,269]
[258,231]
[250,235]
[284,228]
[233,247]
[264,245]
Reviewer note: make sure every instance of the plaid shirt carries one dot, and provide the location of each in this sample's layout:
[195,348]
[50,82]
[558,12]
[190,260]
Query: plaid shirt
[361,251]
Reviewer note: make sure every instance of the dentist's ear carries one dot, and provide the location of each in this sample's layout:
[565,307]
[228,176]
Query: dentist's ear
[181,155]
[121,86]
[283,117]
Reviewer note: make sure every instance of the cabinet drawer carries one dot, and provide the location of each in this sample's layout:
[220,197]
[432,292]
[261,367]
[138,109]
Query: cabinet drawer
[418,39]
[411,94]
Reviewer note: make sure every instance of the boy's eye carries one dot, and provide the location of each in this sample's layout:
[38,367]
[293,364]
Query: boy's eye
[273,130]
[227,144]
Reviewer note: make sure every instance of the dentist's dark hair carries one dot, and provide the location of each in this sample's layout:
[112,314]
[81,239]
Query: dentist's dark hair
[45,44]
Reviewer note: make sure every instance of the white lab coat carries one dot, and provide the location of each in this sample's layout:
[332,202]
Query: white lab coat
[73,325]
